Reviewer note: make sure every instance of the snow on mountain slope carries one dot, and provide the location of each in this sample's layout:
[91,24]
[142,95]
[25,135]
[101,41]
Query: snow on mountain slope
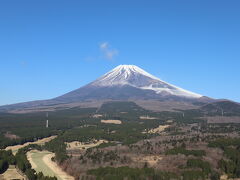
[136,77]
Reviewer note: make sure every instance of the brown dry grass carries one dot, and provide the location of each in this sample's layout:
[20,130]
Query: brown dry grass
[13,173]
[224,177]
[111,121]
[147,117]
[29,157]
[47,159]
[97,115]
[159,129]
[76,145]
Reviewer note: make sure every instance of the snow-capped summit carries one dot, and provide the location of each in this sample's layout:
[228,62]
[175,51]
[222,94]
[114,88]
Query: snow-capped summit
[136,77]
[122,74]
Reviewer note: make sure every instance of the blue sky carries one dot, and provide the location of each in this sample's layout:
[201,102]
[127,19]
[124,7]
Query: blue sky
[48,48]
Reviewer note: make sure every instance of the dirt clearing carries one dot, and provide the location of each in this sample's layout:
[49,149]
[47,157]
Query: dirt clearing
[13,173]
[111,121]
[147,117]
[76,145]
[159,129]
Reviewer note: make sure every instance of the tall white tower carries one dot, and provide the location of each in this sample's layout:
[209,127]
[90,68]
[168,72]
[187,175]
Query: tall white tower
[47,121]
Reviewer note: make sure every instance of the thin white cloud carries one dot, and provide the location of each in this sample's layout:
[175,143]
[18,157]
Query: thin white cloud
[108,52]
[104,45]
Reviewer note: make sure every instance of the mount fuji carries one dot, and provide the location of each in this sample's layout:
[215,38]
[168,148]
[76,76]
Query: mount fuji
[128,82]
[125,82]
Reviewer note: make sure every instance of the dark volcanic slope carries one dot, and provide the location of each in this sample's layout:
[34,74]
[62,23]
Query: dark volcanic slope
[222,107]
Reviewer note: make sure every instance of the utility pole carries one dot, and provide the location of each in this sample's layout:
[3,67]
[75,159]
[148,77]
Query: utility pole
[47,120]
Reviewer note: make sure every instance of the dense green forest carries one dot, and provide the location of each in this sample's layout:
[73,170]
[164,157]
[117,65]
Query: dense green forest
[19,124]
[62,120]
[58,147]
[231,148]
[72,121]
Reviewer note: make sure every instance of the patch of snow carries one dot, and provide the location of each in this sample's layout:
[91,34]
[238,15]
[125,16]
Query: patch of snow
[137,77]
[176,92]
